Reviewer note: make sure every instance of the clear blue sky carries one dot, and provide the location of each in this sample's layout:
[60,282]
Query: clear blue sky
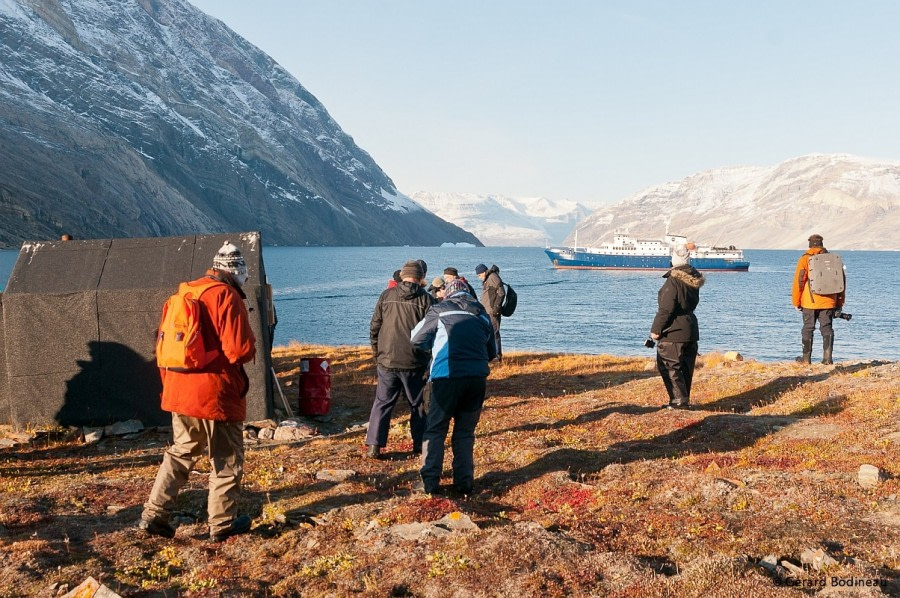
[587,100]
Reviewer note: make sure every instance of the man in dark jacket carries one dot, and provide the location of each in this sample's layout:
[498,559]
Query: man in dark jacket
[675,327]
[400,369]
[458,334]
[492,295]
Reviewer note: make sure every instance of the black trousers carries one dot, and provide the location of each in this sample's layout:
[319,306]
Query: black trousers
[495,322]
[823,316]
[675,362]
[460,400]
[391,386]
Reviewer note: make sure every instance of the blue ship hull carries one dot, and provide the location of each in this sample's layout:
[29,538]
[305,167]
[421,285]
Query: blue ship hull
[580,260]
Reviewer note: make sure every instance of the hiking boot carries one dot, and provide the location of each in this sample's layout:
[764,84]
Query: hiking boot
[683,406]
[806,358]
[239,525]
[827,349]
[157,527]
[463,489]
[373,451]
[420,488]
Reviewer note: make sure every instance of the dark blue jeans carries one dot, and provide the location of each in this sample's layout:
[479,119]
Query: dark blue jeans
[391,384]
[460,400]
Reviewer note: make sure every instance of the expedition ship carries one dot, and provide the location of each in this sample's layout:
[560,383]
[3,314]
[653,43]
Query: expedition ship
[627,253]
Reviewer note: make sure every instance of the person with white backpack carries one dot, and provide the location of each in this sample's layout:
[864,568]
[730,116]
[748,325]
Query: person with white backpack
[818,292]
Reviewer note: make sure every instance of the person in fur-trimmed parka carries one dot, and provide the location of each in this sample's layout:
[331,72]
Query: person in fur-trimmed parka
[675,328]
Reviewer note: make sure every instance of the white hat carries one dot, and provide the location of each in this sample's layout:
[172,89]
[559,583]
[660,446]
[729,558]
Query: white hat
[229,259]
[681,256]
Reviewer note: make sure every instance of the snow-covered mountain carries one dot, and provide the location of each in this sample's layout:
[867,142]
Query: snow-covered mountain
[506,221]
[148,117]
[853,202]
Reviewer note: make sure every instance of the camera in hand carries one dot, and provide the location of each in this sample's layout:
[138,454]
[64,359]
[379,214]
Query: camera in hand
[838,313]
[649,343]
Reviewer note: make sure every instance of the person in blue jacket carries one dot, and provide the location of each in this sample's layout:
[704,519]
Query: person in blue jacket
[458,334]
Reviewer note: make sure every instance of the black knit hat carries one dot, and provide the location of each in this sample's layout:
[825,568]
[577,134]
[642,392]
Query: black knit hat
[412,270]
[816,240]
[480,269]
[424,267]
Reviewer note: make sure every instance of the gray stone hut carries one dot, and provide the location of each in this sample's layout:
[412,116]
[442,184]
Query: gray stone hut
[79,327]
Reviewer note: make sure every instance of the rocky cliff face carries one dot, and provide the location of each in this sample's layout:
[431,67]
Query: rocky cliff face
[853,202]
[147,117]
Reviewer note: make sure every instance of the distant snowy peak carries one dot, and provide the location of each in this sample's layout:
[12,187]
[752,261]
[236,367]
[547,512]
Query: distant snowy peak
[853,202]
[505,221]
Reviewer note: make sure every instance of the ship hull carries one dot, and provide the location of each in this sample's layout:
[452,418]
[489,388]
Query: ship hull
[579,260]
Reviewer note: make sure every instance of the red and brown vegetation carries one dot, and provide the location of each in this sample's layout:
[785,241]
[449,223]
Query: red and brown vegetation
[585,487]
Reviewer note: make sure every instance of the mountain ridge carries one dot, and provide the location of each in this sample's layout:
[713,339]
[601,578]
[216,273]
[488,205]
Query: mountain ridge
[498,220]
[854,202]
[149,118]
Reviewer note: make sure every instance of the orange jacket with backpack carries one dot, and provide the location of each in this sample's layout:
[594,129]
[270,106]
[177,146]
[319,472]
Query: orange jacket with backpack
[216,389]
[801,296]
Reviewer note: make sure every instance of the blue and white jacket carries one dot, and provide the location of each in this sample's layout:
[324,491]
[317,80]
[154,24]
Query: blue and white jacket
[459,335]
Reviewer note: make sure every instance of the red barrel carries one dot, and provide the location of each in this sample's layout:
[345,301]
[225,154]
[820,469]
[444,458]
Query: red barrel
[315,386]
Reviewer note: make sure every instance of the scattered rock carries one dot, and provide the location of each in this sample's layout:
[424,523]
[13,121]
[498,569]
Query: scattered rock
[357,427]
[417,531]
[130,426]
[769,563]
[289,433]
[261,424]
[717,488]
[792,567]
[817,559]
[12,438]
[92,435]
[733,356]
[91,587]
[251,433]
[650,366]
[614,471]
[451,523]
[335,475]
[113,509]
[869,476]
[457,521]
[267,434]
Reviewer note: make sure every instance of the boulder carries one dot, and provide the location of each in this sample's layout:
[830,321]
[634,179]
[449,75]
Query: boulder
[868,476]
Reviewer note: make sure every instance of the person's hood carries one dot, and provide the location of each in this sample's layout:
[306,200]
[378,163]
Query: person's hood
[227,278]
[408,290]
[688,275]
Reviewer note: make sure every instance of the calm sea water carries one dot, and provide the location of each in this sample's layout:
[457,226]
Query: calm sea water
[326,294]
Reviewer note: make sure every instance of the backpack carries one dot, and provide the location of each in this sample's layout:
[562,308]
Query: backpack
[826,274]
[508,307]
[179,342]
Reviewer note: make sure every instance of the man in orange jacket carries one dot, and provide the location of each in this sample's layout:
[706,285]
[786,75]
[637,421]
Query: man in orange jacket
[208,407]
[815,307]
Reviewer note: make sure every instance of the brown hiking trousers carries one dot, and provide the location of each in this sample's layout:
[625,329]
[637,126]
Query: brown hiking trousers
[193,437]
